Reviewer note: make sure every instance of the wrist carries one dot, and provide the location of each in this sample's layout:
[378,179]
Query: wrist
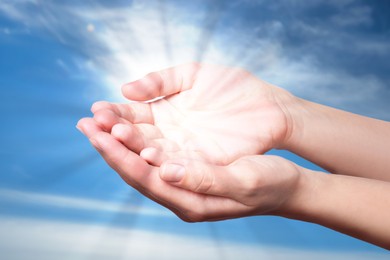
[293,109]
[304,121]
[303,202]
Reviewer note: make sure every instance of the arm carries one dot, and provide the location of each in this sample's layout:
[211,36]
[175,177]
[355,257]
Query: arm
[339,141]
[200,191]
[251,185]
[355,206]
[358,207]
[203,107]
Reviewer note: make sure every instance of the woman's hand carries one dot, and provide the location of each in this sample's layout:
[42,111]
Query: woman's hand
[190,151]
[200,191]
[251,185]
[211,113]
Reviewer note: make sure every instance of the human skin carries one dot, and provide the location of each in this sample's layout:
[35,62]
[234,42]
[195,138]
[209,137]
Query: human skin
[339,141]
[209,112]
[210,173]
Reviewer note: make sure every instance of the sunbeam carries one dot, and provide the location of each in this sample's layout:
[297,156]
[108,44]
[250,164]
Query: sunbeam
[122,220]
[58,197]
[58,173]
[214,11]
[166,31]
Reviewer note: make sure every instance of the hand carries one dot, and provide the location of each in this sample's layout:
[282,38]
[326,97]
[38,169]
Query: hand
[200,191]
[210,113]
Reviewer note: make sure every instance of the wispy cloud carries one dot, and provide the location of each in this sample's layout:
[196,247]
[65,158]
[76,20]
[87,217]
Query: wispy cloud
[129,41]
[64,240]
[114,43]
[18,197]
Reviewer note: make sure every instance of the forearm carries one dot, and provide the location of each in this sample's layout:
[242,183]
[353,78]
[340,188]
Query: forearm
[339,141]
[355,206]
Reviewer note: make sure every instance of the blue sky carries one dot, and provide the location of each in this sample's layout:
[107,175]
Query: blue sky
[57,196]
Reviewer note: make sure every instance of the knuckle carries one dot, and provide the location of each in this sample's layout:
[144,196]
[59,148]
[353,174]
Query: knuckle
[194,217]
[165,80]
[104,116]
[250,186]
[195,214]
[185,218]
[127,113]
[204,180]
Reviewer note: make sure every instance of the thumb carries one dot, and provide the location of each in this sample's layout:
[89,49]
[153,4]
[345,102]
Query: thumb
[162,83]
[197,176]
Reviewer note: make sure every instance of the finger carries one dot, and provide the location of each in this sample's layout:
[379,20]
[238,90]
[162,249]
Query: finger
[129,135]
[88,126]
[135,112]
[149,131]
[156,157]
[135,137]
[163,144]
[132,168]
[162,83]
[100,105]
[143,177]
[199,177]
[153,156]
[106,119]
[139,136]
[136,172]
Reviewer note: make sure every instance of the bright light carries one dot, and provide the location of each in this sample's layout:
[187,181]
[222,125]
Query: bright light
[90,27]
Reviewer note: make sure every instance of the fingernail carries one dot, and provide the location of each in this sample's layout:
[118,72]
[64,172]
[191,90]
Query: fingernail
[173,172]
[79,128]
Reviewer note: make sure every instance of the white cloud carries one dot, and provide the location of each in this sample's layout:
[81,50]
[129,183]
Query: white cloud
[128,42]
[330,87]
[77,203]
[60,63]
[22,238]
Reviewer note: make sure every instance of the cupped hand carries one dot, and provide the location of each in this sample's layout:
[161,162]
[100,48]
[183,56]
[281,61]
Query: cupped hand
[211,113]
[201,191]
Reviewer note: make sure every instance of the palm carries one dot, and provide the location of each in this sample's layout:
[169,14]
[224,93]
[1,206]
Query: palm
[221,120]
[215,113]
